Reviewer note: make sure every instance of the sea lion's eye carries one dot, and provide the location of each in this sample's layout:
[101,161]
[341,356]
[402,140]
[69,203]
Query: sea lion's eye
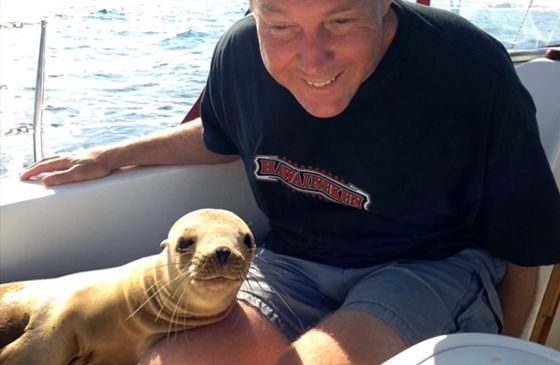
[184,243]
[248,241]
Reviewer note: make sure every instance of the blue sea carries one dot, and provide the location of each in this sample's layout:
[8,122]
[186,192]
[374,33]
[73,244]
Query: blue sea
[122,68]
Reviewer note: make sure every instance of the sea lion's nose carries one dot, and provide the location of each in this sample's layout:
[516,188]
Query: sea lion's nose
[222,253]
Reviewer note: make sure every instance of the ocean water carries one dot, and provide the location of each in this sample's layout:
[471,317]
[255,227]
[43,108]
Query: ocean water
[114,69]
[122,68]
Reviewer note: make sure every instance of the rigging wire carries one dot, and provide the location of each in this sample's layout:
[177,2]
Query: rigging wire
[522,24]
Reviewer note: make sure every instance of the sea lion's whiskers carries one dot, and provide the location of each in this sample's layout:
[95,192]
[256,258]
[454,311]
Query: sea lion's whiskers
[237,317]
[183,275]
[168,264]
[175,318]
[250,275]
[274,290]
[281,296]
[150,297]
[158,288]
[185,317]
[246,286]
[201,265]
[171,322]
[164,304]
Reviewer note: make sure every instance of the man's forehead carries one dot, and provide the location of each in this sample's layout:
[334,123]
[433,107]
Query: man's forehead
[279,6]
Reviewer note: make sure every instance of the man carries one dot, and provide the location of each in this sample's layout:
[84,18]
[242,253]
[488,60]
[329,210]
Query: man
[396,155]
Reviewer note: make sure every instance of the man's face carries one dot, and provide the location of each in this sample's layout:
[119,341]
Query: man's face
[322,50]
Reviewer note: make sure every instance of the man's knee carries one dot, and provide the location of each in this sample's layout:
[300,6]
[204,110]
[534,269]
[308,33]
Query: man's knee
[244,337]
[346,337]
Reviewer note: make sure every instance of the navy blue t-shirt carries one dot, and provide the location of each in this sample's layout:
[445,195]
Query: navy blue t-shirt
[438,150]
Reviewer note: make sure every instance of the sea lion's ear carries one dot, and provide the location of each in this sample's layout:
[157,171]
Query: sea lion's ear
[164,244]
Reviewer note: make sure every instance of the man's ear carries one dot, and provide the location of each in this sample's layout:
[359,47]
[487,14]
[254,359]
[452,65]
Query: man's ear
[385,6]
[164,244]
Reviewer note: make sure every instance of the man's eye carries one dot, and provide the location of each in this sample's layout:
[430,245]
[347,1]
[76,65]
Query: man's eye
[342,21]
[278,28]
[340,25]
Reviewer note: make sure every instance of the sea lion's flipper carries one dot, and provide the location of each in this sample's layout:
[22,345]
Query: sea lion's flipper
[13,317]
[23,342]
[26,351]
[36,347]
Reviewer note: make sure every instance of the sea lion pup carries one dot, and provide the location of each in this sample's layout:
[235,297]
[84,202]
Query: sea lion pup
[111,316]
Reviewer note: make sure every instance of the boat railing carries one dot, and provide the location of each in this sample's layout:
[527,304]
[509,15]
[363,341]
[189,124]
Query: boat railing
[39,96]
[526,55]
[39,87]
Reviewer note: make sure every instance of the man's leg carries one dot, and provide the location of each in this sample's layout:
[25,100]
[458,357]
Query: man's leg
[400,304]
[249,337]
[517,292]
[245,337]
[345,337]
[386,309]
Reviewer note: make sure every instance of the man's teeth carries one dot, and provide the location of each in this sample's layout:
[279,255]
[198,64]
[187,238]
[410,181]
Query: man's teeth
[320,84]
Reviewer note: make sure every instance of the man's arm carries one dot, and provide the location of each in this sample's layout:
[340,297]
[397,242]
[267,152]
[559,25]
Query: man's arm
[176,146]
[517,292]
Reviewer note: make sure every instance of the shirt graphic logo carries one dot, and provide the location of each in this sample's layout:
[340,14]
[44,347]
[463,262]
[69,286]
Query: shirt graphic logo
[308,180]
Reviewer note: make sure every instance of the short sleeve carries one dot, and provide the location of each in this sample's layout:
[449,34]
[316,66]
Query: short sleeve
[216,133]
[518,217]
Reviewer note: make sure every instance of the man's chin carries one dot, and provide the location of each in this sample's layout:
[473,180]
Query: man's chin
[324,109]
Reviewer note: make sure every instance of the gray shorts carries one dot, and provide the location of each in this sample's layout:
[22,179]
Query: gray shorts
[419,299]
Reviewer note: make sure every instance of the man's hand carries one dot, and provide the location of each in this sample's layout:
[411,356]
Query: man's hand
[77,166]
[181,145]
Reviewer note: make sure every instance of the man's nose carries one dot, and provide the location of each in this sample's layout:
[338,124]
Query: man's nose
[314,52]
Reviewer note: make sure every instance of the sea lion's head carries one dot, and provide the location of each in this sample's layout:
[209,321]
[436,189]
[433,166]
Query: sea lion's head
[212,249]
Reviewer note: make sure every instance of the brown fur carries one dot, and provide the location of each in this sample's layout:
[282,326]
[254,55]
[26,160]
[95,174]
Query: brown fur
[111,316]
[13,318]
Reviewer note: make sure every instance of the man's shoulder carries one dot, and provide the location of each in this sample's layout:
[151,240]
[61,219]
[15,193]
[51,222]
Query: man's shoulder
[237,55]
[242,33]
[443,24]
[244,25]
[444,34]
